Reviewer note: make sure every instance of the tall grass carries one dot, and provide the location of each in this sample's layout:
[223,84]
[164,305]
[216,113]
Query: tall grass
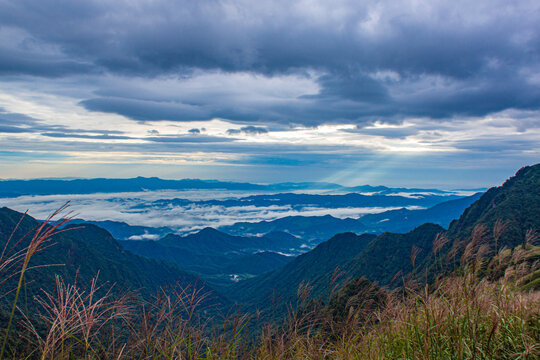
[11,256]
[462,318]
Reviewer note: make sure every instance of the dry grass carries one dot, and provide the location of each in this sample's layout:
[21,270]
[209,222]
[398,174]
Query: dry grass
[461,319]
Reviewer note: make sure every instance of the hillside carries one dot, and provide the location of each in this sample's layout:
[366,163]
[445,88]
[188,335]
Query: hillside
[86,250]
[516,202]
[210,241]
[209,264]
[123,231]
[281,285]
[217,256]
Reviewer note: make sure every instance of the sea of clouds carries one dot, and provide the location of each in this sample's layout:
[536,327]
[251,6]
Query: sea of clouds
[142,208]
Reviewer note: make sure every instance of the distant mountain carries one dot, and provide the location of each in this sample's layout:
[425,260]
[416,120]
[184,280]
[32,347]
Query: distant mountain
[324,227]
[216,255]
[307,227]
[404,220]
[11,188]
[122,231]
[210,241]
[84,252]
[312,200]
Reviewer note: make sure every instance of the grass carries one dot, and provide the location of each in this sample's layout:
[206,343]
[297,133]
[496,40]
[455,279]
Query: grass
[462,316]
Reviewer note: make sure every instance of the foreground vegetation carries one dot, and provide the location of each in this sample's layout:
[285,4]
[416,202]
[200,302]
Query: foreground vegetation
[487,309]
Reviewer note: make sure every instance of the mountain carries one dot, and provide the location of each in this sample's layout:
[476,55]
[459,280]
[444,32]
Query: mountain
[210,241]
[256,264]
[122,231]
[516,202]
[306,227]
[389,254]
[313,228]
[403,220]
[83,251]
[216,255]
[12,188]
[283,283]
[377,258]
[313,200]
[210,265]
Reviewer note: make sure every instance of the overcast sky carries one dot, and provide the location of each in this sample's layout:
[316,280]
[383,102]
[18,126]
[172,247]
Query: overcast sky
[412,93]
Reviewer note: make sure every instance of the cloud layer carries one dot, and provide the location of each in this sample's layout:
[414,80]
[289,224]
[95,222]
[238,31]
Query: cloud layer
[155,209]
[380,59]
[269,83]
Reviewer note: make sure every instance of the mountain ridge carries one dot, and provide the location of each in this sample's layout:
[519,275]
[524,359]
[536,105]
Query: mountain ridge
[18,187]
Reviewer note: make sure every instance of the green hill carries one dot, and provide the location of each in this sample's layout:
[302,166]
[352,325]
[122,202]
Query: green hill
[85,250]
[282,284]
[217,256]
[516,202]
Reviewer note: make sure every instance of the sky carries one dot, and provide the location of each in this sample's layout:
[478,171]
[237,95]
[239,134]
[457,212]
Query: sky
[402,93]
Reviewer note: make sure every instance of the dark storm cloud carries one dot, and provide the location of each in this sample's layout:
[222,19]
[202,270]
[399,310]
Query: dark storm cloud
[372,60]
[14,63]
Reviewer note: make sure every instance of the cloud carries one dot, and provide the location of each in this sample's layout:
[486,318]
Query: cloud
[86,136]
[189,139]
[140,209]
[147,109]
[12,129]
[248,130]
[342,89]
[375,60]
[20,123]
[144,236]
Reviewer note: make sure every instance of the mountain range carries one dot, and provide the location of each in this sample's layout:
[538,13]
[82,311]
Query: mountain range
[11,188]
[502,217]
[323,227]
[386,259]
